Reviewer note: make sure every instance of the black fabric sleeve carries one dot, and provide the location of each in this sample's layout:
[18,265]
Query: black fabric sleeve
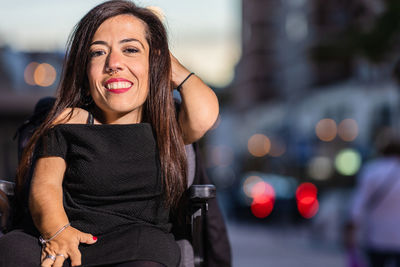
[52,144]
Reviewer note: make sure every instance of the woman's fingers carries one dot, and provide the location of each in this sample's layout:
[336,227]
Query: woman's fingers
[47,259]
[75,256]
[47,256]
[60,258]
[65,245]
[87,238]
[47,262]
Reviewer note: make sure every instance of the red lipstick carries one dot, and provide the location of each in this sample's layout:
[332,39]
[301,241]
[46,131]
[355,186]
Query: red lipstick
[118,85]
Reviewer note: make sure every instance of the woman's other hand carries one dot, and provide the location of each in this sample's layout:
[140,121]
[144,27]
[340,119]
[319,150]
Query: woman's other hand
[179,72]
[46,206]
[65,245]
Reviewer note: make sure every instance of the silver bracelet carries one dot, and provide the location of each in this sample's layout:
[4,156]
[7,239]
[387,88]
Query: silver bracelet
[44,241]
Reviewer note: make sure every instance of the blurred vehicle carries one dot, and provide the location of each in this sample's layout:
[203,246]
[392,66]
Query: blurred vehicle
[266,197]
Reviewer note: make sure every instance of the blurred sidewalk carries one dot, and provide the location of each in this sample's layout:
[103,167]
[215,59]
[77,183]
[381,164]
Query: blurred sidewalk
[286,246]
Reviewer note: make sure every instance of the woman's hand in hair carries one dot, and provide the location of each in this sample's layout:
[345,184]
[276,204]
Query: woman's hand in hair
[199,109]
[179,72]
[66,243]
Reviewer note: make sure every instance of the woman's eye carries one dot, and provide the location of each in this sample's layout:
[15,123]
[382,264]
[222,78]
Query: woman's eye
[131,50]
[97,53]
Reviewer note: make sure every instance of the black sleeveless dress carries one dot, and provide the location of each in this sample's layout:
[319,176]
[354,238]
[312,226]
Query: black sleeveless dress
[113,190]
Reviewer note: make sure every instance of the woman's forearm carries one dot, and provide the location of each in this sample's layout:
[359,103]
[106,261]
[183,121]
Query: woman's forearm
[199,107]
[47,210]
[46,205]
[46,196]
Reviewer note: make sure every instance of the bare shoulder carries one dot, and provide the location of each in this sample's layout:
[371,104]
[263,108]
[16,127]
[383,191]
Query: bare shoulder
[72,116]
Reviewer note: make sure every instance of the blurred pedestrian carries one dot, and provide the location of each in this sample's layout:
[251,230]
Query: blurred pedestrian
[375,216]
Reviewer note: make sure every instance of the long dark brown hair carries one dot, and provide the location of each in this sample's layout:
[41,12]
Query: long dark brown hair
[158,109]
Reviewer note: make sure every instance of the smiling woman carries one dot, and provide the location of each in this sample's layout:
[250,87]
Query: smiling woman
[109,159]
[118,69]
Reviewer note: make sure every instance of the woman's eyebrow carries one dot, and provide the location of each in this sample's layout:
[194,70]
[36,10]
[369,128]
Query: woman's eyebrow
[131,40]
[99,42]
[122,41]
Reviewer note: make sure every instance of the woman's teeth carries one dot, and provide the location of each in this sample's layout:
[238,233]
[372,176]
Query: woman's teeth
[118,85]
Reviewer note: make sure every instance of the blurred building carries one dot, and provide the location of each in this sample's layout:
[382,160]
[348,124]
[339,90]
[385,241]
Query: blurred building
[353,39]
[329,19]
[290,47]
[274,64]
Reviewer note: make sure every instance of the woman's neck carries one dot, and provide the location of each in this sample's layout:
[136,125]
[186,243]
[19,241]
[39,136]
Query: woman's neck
[102,117]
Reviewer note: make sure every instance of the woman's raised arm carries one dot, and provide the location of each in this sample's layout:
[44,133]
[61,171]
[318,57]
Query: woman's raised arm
[199,108]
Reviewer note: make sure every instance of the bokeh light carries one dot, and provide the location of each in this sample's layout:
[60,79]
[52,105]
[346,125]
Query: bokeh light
[29,71]
[262,189]
[308,207]
[306,198]
[263,195]
[306,190]
[259,145]
[249,183]
[326,130]
[320,168]
[348,130]
[262,209]
[348,162]
[44,75]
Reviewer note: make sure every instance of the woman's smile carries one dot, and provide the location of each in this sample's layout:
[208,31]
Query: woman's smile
[118,85]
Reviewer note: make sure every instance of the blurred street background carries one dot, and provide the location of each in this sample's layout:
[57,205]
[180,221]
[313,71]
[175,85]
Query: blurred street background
[307,90]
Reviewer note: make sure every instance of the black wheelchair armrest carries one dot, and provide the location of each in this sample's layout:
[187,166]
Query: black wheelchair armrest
[202,193]
[199,196]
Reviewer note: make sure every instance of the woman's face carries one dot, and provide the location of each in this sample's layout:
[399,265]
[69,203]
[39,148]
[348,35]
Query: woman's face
[118,69]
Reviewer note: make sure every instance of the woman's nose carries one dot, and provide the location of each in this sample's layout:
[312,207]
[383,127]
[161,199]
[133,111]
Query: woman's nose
[114,62]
